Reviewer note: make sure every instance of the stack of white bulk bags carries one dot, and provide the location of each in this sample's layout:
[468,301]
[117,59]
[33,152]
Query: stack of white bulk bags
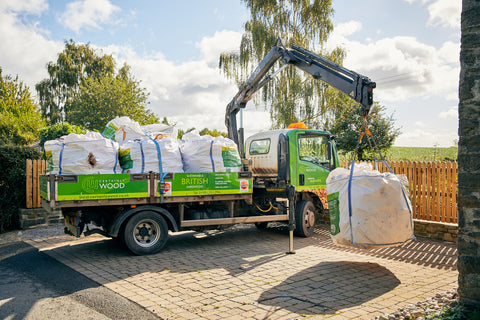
[143,149]
[208,154]
[89,153]
[368,209]
[142,156]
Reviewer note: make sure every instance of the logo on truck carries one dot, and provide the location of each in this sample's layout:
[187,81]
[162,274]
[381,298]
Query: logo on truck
[92,184]
[243,185]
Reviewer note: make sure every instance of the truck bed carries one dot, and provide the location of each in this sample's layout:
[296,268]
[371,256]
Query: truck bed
[63,191]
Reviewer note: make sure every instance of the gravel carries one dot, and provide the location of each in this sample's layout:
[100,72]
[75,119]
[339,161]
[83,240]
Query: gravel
[33,233]
[424,309]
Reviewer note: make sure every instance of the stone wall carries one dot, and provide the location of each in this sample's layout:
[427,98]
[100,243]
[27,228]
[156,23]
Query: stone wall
[436,230]
[469,156]
[422,228]
[38,216]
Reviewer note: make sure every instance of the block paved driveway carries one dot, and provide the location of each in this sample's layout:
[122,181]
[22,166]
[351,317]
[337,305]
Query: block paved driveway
[244,273]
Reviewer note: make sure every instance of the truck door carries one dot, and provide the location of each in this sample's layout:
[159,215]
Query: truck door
[312,161]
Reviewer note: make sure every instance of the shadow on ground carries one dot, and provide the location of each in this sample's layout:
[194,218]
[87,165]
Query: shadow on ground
[333,286]
[424,252]
[35,286]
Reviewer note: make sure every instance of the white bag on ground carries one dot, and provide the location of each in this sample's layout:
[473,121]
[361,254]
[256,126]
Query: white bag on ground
[88,153]
[142,156]
[208,154]
[376,214]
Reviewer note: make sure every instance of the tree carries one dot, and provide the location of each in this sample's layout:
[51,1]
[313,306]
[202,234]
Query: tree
[469,158]
[73,66]
[295,96]
[348,125]
[20,119]
[100,99]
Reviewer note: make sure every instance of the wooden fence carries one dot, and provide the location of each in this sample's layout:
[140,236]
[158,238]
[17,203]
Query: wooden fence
[432,187]
[34,169]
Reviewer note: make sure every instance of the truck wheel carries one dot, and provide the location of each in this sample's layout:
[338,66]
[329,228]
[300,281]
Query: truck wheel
[145,233]
[304,219]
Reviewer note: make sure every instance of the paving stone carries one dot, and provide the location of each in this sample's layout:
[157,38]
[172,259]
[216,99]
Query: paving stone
[243,273]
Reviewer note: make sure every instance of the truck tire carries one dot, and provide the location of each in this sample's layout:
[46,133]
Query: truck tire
[145,233]
[304,219]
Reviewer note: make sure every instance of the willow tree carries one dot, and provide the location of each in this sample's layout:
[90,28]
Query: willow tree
[293,96]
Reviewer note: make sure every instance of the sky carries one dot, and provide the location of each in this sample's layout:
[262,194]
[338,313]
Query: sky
[410,48]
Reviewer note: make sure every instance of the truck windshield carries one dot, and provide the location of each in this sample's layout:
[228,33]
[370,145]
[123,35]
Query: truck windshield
[313,148]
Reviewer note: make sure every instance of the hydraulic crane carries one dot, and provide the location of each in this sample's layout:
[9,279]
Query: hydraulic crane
[357,86]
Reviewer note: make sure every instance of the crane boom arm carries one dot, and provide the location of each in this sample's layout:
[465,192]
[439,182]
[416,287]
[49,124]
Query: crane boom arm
[358,87]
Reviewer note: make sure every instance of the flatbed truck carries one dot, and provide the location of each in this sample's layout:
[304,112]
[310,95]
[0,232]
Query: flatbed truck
[282,179]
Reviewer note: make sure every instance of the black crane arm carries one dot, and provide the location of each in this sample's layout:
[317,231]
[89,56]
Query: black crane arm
[358,87]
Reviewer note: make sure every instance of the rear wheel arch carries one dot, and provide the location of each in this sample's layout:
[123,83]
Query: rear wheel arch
[121,220]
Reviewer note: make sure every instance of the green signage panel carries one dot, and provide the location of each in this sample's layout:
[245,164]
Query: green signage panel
[334,210]
[102,186]
[206,183]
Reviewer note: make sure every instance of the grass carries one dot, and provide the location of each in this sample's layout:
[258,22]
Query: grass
[416,154]
[422,154]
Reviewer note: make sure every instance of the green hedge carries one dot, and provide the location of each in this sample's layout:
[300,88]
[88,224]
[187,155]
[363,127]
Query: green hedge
[12,183]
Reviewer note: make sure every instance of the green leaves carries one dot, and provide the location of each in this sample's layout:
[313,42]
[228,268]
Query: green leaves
[347,127]
[293,96]
[99,100]
[84,90]
[20,120]
[73,66]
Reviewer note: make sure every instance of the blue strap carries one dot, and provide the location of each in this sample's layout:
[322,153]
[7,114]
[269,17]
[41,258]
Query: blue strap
[350,200]
[159,155]
[116,157]
[60,159]
[211,156]
[143,156]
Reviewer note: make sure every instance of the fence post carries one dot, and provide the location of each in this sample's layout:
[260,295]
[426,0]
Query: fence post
[28,190]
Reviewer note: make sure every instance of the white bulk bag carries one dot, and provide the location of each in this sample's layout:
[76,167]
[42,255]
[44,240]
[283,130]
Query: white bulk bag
[123,129]
[141,156]
[88,153]
[208,154]
[159,130]
[368,209]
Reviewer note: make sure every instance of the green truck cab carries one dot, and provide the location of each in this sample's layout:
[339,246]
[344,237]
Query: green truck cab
[300,158]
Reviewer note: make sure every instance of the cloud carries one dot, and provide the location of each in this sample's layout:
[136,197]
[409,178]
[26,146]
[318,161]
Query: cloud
[402,66]
[88,14]
[348,28]
[221,41]
[25,50]
[445,13]
[192,93]
[427,138]
[452,113]
[35,7]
